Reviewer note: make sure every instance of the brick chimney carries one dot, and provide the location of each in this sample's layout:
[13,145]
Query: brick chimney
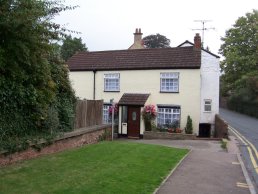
[197,41]
[137,35]
[138,42]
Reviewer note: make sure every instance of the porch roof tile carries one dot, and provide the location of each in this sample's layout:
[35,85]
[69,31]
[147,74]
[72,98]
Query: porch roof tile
[133,99]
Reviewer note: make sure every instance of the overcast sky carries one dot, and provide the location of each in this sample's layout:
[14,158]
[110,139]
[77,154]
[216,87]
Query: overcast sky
[110,24]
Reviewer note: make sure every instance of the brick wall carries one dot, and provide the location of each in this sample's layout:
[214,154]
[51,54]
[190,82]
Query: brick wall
[69,140]
[164,135]
[221,128]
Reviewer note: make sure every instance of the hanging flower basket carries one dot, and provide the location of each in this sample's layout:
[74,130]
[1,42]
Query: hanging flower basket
[149,113]
[115,107]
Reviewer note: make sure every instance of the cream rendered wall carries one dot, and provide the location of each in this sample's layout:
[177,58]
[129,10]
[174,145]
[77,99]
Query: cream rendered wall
[82,83]
[148,81]
[209,86]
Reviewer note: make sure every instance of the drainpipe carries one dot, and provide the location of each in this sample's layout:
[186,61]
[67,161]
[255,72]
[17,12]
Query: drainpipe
[94,84]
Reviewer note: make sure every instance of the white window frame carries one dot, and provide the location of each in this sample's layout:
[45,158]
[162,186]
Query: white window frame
[168,113]
[112,82]
[106,118]
[169,82]
[207,104]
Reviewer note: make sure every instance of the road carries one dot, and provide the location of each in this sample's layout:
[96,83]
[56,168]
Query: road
[246,129]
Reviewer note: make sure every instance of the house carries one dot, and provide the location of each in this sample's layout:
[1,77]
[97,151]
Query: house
[179,81]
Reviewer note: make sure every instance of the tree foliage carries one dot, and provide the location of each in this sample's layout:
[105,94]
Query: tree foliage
[240,49]
[156,41]
[245,96]
[71,46]
[239,81]
[34,83]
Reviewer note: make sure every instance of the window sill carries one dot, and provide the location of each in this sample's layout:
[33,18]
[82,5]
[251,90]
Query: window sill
[111,91]
[207,111]
[168,92]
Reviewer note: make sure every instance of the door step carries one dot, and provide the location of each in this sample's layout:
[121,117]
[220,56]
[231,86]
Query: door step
[131,137]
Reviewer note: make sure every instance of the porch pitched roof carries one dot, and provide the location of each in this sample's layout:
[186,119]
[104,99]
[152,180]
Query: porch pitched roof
[133,99]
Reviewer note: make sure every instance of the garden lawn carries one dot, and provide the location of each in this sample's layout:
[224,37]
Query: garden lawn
[107,167]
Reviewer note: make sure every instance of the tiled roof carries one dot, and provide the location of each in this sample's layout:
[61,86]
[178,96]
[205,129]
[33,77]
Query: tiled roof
[133,99]
[160,58]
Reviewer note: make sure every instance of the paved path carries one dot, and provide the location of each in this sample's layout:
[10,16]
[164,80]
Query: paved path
[206,170]
[246,129]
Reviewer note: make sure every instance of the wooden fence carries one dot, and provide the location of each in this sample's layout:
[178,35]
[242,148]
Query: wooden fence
[88,113]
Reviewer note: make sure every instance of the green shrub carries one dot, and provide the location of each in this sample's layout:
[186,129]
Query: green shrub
[106,135]
[189,125]
[224,143]
[52,121]
[30,111]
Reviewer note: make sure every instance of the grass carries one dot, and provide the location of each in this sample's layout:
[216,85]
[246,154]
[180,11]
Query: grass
[107,167]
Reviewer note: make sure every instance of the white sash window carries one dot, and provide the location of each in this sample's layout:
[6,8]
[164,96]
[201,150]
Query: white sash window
[169,82]
[112,82]
[167,115]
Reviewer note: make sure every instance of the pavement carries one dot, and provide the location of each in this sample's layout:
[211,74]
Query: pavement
[246,129]
[207,169]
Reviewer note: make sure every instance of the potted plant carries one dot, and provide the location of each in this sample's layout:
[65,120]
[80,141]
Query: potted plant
[169,127]
[178,130]
[149,113]
[170,130]
[174,127]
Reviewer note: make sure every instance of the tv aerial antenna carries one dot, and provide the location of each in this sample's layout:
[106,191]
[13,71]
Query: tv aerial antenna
[203,29]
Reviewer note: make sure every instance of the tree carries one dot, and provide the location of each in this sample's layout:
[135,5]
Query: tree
[156,41]
[245,96]
[71,46]
[33,80]
[240,51]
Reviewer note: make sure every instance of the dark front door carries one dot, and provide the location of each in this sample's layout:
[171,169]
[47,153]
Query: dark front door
[204,130]
[133,128]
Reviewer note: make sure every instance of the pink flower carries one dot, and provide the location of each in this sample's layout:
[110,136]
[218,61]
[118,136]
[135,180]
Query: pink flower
[149,112]
[115,107]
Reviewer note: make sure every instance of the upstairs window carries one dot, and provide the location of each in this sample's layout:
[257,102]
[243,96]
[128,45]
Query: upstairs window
[169,82]
[207,105]
[112,82]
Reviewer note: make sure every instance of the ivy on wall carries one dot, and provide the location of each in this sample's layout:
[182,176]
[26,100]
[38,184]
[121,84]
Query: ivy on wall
[36,98]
